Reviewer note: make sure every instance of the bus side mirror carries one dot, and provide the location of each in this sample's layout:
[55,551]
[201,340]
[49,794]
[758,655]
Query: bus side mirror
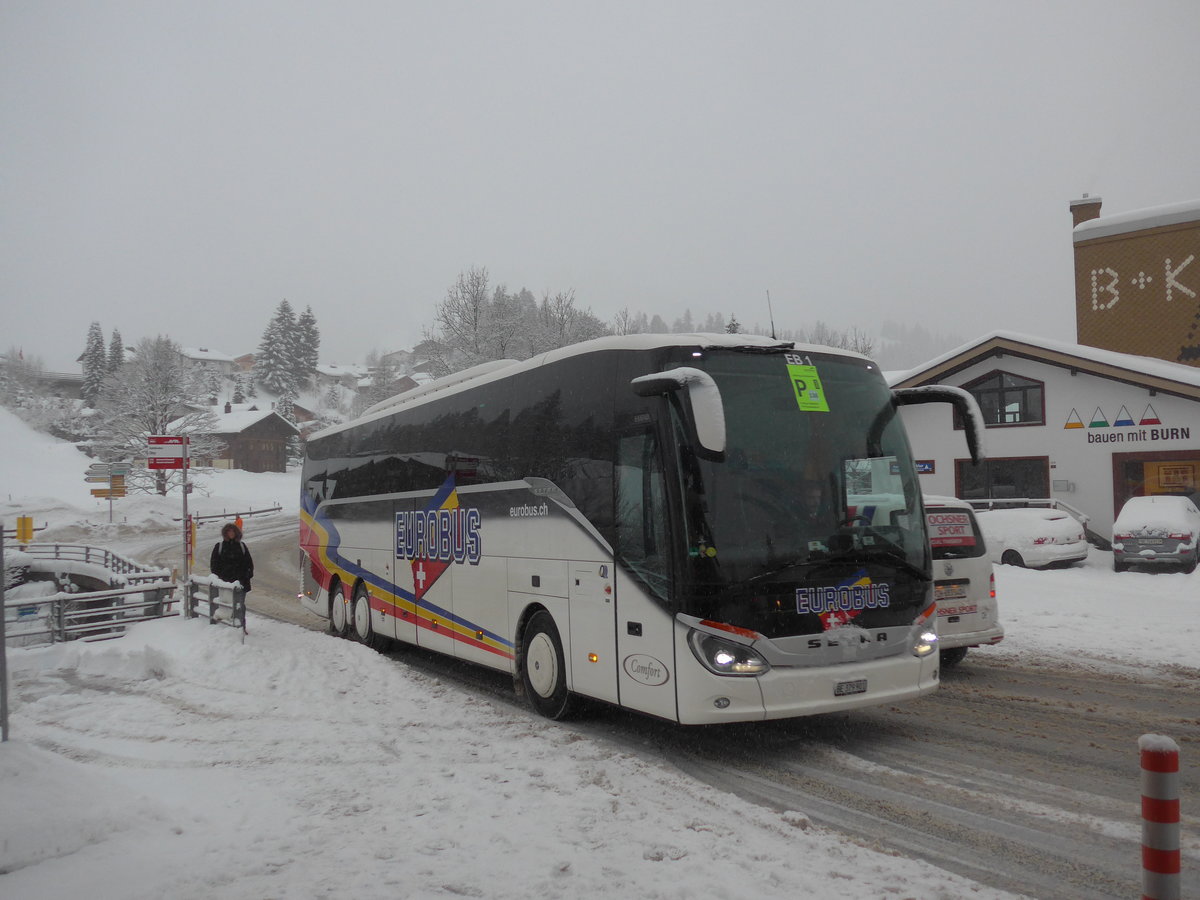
[704,397]
[966,405]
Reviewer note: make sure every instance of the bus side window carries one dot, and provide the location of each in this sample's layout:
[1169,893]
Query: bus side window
[641,528]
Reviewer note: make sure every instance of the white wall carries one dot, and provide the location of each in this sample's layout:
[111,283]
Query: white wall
[1081,456]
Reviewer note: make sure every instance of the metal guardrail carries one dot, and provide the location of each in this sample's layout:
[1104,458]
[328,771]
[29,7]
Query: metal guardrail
[233,515]
[95,615]
[97,556]
[225,603]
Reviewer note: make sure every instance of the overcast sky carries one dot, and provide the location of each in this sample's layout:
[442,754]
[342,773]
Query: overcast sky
[181,167]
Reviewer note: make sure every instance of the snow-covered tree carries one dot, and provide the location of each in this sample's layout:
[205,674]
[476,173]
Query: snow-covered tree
[308,346]
[150,395]
[560,323]
[625,322]
[275,362]
[462,319]
[95,364]
[239,389]
[116,352]
[684,324]
[286,404]
[734,326]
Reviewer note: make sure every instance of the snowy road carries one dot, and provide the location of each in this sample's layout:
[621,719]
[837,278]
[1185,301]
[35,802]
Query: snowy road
[1019,775]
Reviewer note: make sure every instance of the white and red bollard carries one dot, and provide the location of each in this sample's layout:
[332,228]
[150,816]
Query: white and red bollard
[1160,817]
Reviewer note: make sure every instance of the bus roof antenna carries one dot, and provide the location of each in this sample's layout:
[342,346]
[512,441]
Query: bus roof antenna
[771,313]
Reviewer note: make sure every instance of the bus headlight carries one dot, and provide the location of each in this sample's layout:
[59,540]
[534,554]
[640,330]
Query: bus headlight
[925,644]
[725,657]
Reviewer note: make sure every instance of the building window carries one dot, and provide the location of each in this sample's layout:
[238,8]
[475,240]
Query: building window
[1007,399]
[1003,479]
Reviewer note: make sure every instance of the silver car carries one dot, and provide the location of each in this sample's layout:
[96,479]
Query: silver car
[1156,531]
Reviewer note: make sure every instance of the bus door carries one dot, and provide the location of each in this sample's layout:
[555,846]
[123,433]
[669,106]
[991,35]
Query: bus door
[645,629]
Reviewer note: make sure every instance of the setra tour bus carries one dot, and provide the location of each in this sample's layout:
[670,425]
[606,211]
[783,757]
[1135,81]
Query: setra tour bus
[704,528]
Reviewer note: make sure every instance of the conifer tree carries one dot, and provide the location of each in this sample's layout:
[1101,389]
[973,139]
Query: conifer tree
[274,366]
[116,352]
[308,344]
[95,364]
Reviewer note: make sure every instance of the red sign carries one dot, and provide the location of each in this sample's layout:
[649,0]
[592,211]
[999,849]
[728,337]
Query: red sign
[950,529]
[164,462]
[160,439]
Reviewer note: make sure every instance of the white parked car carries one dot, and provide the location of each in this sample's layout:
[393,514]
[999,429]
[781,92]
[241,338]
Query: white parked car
[963,583]
[1156,531]
[1033,536]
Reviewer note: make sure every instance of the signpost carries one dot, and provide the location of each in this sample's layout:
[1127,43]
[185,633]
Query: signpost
[164,443]
[110,474]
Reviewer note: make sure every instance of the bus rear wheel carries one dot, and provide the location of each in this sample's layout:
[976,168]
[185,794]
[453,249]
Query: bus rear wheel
[543,668]
[339,616]
[360,618]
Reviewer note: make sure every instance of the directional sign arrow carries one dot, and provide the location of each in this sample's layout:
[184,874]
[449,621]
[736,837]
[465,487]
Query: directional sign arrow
[120,468]
[96,479]
[100,467]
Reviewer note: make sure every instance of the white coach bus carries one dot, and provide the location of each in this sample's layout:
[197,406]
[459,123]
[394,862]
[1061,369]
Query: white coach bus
[704,528]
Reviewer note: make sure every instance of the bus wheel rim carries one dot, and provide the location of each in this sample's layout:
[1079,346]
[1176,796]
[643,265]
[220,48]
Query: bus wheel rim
[338,612]
[362,617]
[541,665]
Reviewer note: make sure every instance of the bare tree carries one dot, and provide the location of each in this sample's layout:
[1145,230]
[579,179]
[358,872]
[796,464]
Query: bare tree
[560,323]
[461,317]
[150,395]
[625,322]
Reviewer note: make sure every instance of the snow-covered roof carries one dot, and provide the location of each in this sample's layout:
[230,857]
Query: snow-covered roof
[237,420]
[1126,366]
[335,370]
[1138,220]
[205,355]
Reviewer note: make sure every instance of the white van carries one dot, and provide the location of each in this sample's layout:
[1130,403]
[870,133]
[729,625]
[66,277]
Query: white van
[963,583]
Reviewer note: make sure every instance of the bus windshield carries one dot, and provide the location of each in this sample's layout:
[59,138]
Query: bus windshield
[816,487]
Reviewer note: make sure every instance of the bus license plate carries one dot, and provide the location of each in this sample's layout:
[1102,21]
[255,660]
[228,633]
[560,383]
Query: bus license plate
[842,688]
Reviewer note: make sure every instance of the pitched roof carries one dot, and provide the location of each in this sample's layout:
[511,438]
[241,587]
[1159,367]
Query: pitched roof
[240,419]
[1143,371]
[203,353]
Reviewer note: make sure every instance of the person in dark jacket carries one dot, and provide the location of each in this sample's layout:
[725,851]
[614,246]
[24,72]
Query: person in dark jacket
[231,560]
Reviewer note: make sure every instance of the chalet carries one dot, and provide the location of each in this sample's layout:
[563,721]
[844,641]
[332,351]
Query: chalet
[255,439]
[208,360]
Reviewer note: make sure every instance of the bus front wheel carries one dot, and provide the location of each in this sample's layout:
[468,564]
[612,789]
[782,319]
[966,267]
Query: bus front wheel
[339,617]
[543,667]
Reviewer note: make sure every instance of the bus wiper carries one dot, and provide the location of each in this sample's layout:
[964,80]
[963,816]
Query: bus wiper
[899,560]
[798,562]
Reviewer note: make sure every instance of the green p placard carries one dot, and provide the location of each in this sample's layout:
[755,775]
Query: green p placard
[810,395]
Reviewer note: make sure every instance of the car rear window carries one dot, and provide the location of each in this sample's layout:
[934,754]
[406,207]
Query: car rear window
[953,533]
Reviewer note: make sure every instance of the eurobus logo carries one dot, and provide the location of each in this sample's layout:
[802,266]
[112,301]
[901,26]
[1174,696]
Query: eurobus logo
[837,605]
[440,535]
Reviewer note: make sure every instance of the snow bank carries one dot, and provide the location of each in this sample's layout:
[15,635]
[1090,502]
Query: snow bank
[187,764]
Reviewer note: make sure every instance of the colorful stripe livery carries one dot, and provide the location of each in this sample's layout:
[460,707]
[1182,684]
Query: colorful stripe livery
[320,540]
